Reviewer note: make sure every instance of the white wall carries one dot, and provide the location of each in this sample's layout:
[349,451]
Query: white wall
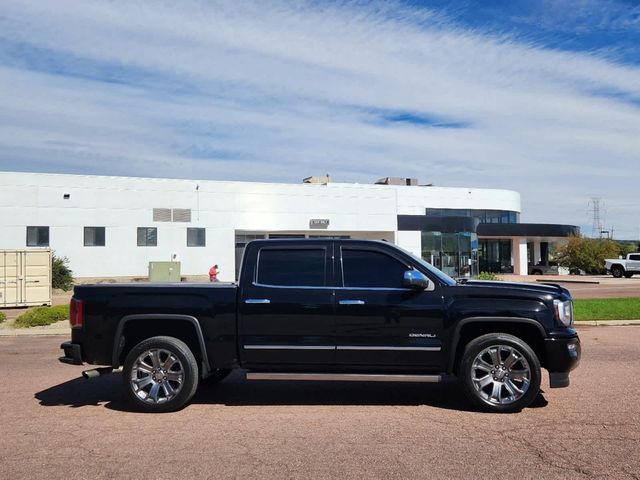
[121,204]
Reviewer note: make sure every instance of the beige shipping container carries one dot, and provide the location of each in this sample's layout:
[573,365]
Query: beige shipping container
[25,277]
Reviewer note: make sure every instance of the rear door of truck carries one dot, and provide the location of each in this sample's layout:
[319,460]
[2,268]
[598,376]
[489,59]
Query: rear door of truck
[285,304]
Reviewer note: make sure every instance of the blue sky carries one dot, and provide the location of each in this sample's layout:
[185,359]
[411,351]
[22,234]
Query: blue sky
[540,97]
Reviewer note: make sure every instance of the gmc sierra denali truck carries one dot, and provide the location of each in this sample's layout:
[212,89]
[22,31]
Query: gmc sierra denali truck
[333,310]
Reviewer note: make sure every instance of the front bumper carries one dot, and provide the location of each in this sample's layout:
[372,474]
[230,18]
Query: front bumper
[563,355]
[72,353]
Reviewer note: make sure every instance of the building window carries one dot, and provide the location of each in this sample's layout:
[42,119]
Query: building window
[196,237]
[292,267]
[37,236]
[484,216]
[94,236]
[147,237]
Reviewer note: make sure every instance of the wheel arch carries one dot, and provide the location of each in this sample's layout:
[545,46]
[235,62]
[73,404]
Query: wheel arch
[527,329]
[131,331]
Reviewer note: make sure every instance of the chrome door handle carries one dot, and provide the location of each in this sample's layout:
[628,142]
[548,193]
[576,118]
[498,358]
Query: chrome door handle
[351,302]
[257,300]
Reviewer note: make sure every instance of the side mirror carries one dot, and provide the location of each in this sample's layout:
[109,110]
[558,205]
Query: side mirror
[416,280]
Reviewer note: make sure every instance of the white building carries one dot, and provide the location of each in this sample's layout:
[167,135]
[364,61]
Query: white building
[115,226]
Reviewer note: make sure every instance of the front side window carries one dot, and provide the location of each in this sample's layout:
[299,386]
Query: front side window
[196,237]
[94,237]
[37,236]
[370,269]
[292,267]
[147,237]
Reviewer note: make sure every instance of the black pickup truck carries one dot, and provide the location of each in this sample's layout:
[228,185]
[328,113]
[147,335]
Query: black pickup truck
[335,310]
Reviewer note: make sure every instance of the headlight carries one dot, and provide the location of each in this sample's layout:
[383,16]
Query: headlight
[564,312]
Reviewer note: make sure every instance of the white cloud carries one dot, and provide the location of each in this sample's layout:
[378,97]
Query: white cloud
[277,91]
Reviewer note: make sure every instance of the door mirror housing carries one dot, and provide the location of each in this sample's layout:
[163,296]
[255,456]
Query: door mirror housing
[416,280]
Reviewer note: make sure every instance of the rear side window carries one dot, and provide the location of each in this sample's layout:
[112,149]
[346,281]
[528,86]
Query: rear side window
[369,269]
[634,257]
[292,267]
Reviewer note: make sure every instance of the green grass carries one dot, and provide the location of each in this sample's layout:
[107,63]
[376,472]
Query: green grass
[42,316]
[607,308]
[3,317]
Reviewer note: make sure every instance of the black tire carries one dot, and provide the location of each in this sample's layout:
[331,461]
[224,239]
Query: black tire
[216,377]
[617,271]
[470,373]
[179,377]
[628,275]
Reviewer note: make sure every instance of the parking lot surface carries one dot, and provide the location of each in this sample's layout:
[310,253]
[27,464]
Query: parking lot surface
[56,425]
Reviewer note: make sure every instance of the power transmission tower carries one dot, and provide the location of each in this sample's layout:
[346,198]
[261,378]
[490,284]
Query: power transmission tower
[594,211]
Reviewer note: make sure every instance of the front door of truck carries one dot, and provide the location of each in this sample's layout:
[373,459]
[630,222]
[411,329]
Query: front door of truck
[286,314]
[378,321]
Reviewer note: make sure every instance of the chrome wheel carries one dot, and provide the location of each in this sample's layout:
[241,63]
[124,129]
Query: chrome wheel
[157,376]
[500,374]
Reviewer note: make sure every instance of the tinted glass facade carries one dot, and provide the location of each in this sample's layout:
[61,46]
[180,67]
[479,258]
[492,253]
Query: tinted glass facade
[484,216]
[456,254]
[495,256]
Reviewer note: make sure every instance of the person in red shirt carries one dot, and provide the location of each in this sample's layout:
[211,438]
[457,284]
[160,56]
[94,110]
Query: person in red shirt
[213,273]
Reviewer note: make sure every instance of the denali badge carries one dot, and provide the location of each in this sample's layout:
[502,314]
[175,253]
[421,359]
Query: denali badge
[422,335]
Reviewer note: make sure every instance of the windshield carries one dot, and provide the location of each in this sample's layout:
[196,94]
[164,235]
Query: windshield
[443,277]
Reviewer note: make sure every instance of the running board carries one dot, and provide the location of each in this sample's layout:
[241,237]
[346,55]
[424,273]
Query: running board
[343,377]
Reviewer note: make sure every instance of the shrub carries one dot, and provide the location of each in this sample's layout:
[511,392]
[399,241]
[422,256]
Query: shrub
[3,317]
[61,274]
[488,276]
[42,316]
[588,254]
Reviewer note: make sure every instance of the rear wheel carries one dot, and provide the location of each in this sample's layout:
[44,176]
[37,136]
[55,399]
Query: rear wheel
[160,374]
[500,373]
[617,271]
[628,275]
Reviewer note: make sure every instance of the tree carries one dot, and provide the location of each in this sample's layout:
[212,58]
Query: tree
[61,274]
[588,254]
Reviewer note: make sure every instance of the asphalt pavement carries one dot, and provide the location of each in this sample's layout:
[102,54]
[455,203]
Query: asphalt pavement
[57,425]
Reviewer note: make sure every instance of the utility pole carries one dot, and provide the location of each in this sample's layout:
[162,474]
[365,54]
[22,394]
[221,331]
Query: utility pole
[594,210]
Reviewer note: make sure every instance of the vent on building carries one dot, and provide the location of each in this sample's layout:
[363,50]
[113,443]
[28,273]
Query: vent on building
[317,180]
[397,181]
[181,215]
[161,214]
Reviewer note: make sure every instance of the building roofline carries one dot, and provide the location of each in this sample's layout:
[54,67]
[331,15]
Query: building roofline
[371,185]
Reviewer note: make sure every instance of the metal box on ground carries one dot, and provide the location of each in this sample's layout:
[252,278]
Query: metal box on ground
[25,277]
[164,271]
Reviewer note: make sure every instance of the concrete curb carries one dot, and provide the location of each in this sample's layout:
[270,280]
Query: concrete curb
[607,323]
[25,332]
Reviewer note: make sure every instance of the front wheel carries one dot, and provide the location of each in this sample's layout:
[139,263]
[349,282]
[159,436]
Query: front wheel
[617,272]
[500,373]
[160,374]
[628,275]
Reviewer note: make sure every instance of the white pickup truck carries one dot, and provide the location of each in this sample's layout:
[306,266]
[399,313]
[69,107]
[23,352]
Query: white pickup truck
[619,267]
